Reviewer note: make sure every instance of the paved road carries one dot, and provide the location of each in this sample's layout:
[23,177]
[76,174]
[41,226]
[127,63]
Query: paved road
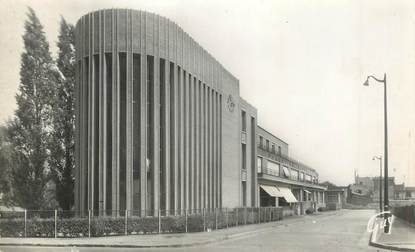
[345,231]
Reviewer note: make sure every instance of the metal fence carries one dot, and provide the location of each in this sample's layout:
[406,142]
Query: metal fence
[57,223]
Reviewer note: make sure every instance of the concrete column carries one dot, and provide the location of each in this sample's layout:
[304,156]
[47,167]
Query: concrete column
[175,151]
[129,118]
[202,146]
[197,141]
[191,167]
[143,129]
[205,146]
[115,116]
[186,138]
[103,116]
[167,164]
[214,149]
[181,140]
[90,115]
[156,129]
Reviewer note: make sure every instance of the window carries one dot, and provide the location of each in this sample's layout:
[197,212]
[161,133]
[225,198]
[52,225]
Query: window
[294,175]
[261,142]
[286,172]
[273,168]
[243,157]
[259,164]
[244,193]
[307,178]
[273,148]
[301,178]
[267,145]
[243,115]
[279,150]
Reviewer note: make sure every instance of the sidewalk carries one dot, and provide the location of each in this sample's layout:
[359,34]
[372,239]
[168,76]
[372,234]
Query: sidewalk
[402,237]
[162,240]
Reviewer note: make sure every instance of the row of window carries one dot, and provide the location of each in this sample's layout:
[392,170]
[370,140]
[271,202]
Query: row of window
[276,169]
[268,145]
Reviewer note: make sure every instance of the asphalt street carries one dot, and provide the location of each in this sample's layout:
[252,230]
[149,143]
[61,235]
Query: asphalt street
[345,231]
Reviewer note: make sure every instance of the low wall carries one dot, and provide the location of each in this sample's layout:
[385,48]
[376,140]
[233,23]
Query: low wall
[406,213]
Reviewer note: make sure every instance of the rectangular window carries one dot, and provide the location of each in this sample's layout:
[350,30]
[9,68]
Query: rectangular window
[273,168]
[267,145]
[243,117]
[244,193]
[108,77]
[286,172]
[259,164]
[294,175]
[122,78]
[136,131]
[261,144]
[307,178]
[301,176]
[273,148]
[279,150]
[243,156]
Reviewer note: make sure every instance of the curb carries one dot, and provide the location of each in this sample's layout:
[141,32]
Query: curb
[384,246]
[177,245]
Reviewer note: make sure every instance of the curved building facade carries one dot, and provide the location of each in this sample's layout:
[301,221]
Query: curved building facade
[159,122]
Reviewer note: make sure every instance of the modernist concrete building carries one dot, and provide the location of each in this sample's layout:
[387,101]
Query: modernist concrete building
[158,122]
[160,125]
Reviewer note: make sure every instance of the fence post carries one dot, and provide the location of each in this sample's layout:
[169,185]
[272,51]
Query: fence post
[185,213]
[160,221]
[56,223]
[259,215]
[89,222]
[216,218]
[237,217]
[25,223]
[204,219]
[125,222]
[227,218]
[245,214]
[253,217]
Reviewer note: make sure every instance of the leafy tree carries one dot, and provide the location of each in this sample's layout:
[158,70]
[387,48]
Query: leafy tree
[29,130]
[5,167]
[63,119]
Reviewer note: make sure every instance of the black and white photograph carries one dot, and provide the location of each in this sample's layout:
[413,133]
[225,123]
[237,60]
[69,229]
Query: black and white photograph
[223,125]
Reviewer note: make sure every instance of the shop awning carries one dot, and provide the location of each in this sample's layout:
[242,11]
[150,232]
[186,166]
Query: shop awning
[271,190]
[306,191]
[287,194]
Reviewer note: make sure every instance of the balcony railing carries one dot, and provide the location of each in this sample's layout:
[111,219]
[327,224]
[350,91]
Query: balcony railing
[285,160]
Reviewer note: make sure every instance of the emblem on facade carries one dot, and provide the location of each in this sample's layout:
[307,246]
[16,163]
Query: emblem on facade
[231,103]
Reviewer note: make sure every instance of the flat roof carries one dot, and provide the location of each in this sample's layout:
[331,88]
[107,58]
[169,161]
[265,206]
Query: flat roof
[271,134]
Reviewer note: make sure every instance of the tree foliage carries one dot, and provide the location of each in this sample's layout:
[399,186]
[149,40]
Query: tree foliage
[63,119]
[30,128]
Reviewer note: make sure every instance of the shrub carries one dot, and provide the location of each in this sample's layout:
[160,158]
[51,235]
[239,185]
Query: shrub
[321,209]
[309,210]
[11,227]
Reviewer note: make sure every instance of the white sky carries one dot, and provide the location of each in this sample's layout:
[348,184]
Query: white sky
[301,63]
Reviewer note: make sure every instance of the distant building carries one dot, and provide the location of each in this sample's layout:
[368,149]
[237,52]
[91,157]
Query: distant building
[336,195]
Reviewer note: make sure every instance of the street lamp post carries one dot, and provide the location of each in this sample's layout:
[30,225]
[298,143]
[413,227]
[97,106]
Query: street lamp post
[380,180]
[386,198]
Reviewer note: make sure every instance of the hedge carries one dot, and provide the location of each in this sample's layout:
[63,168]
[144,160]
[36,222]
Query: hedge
[68,226]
